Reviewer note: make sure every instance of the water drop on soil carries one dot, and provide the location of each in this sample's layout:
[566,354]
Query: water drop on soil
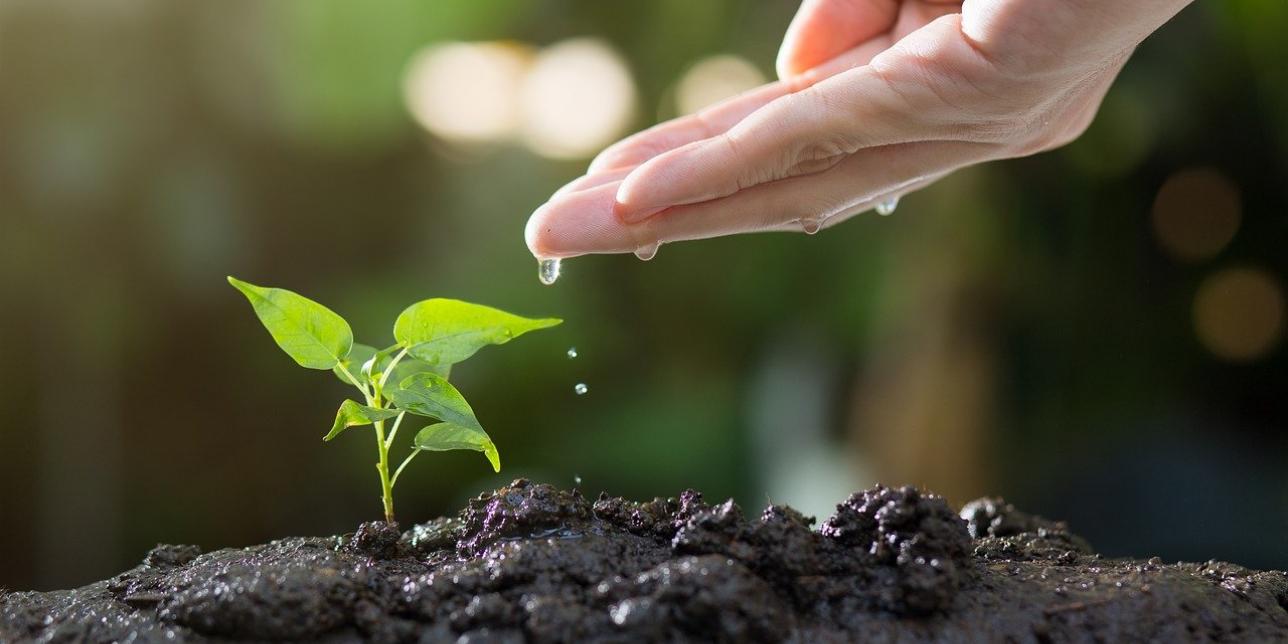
[548,271]
[886,208]
[646,253]
[580,388]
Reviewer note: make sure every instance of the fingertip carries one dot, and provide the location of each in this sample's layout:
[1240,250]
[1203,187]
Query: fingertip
[533,232]
[787,63]
[578,223]
[629,202]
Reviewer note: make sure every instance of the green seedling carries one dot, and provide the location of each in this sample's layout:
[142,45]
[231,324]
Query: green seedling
[409,377]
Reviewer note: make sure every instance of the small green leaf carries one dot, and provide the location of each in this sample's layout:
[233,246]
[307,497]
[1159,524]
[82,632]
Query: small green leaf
[444,332]
[374,366]
[429,394]
[310,333]
[408,367]
[358,356]
[352,414]
[448,436]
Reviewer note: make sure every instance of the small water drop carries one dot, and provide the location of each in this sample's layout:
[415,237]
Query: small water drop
[572,352]
[548,270]
[576,479]
[645,253]
[886,208]
[580,388]
[811,225]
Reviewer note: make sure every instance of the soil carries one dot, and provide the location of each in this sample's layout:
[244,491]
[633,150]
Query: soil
[531,562]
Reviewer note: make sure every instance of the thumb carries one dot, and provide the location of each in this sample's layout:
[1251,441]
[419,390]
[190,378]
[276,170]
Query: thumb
[823,29]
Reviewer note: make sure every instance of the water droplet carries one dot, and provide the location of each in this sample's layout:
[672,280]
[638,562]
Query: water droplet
[580,388]
[576,479]
[572,352]
[886,208]
[646,253]
[548,271]
[811,225]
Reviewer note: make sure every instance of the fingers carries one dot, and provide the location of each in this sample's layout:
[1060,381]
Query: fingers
[823,29]
[711,121]
[717,119]
[797,134]
[593,180]
[583,222]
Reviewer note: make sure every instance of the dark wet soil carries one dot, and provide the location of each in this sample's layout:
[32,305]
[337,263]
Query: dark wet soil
[530,562]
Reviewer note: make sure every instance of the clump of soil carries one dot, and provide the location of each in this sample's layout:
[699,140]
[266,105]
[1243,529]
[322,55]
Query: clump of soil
[530,562]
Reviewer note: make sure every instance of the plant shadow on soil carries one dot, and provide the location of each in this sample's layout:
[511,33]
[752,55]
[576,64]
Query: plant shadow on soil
[531,562]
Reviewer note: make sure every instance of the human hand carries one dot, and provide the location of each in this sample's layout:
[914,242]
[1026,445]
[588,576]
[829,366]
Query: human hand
[877,98]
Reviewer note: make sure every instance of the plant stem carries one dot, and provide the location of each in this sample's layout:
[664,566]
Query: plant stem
[393,431]
[361,387]
[407,460]
[382,466]
[384,377]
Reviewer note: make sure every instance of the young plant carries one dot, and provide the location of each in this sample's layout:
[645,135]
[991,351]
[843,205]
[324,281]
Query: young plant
[409,377]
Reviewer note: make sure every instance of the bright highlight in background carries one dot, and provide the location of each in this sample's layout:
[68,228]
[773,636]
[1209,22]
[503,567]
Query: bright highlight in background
[577,98]
[1196,214]
[1239,313]
[467,92]
[714,79]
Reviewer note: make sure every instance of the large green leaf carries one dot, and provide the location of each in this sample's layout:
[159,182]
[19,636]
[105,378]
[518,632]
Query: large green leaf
[352,414]
[358,356]
[310,333]
[429,394]
[448,436]
[444,332]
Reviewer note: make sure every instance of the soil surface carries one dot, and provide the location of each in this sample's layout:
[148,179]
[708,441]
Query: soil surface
[531,562]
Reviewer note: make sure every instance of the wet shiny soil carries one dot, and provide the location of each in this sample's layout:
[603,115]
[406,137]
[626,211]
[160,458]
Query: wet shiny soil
[530,562]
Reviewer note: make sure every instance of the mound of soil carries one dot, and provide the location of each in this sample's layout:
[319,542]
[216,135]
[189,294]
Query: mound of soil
[530,562]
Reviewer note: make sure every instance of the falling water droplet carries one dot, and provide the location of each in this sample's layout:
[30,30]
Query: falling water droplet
[886,208]
[572,352]
[548,271]
[811,225]
[576,479]
[580,388]
[646,253]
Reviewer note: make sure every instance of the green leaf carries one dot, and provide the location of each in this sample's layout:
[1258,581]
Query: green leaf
[444,332]
[358,356]
[310,333]
[448,436]
[408,367]
[379,360]
[352,414]
[377,363]
[429,394]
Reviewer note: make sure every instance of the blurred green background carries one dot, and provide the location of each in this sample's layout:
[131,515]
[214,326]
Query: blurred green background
[1094,333]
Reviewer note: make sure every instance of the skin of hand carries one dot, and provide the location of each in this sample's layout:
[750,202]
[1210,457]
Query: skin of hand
[877,98]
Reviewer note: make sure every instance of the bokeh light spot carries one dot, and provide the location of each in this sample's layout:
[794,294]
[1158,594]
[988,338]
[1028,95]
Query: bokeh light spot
[714,79]
[577,98]
[1239,313]
[1196,214]
[467,92]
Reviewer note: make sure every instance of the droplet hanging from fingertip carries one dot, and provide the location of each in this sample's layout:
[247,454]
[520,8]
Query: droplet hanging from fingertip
[886,208]
[647,252]
[548,270]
